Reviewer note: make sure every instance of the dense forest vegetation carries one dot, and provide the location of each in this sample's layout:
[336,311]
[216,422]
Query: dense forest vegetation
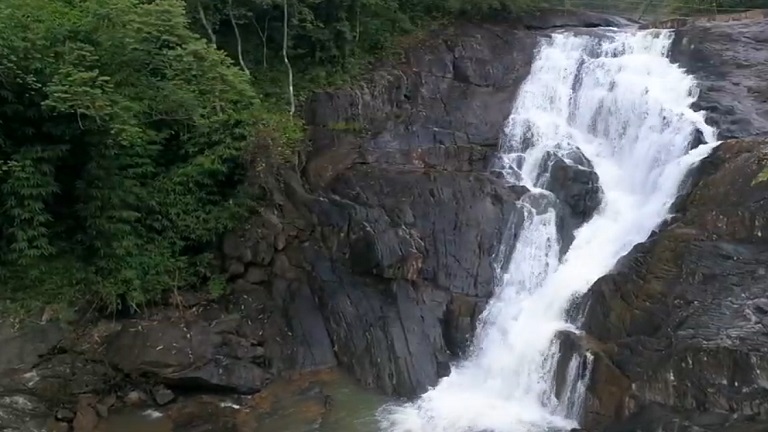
[128,128]
[125,133]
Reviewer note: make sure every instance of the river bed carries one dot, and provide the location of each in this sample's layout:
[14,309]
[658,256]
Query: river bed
[327,401]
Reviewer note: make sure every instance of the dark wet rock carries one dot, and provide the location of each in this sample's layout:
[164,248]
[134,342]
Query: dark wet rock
[22,413]
[25,347]
[87,417]
[57,426]
[657,418]
[203,415]
[135,397]
[558,18]
[185,354]
[460,322]
[683,312]
[730,61]
[65,415]
[385,307]
[382,255]
[576,185]
[162,395]
[44,368]
[70,374]
[161,347]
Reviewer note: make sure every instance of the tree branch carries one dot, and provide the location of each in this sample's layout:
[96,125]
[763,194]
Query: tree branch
[205,22]
[239,41]
[263,35]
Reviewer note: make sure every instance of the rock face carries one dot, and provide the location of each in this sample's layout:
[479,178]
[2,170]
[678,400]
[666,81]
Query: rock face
[576,186]
[399,220]
[730,60]
[383,254]
[682,320]
[195,355]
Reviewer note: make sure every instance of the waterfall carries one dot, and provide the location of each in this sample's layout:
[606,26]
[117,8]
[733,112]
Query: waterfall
[615,98]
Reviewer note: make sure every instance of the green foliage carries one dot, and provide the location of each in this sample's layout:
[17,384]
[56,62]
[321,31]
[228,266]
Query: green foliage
[761,176]
[347,127]
[329,41]
[122,135]
[127,138]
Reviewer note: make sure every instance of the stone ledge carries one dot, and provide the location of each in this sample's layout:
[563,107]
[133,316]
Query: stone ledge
[676,23]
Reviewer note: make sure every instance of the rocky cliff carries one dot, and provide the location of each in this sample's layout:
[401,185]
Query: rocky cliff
[679,329]
[382,254]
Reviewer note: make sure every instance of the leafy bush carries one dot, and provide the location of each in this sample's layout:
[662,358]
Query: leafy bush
[126,135]
[121,142]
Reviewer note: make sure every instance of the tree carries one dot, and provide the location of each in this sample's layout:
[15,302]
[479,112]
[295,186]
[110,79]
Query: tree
[263,35]
[285,57]
[204,21]
[122,135]
[231,14]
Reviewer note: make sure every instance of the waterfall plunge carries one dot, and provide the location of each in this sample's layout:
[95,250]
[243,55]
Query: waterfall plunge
[627,108]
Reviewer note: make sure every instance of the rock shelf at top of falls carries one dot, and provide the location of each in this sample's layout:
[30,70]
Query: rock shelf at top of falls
[408,190]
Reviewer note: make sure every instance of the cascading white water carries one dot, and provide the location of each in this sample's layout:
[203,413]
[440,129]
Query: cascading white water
[618,99]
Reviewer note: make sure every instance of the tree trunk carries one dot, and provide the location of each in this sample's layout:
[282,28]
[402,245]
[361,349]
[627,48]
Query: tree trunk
[239,41]
[357,23]
[205,23]
[285,56]
[644,9]
[263,35]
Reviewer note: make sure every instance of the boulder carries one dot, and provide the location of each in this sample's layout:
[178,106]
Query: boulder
[22,413]
[193,355]
[162,395]
[576,185]
[23,348]
[730,61]
[684,312]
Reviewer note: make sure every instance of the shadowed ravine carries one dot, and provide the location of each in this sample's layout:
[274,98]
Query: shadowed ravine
[611,104]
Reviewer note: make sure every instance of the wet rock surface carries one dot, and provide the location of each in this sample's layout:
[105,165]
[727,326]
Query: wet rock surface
[682,316]
[195,355]
[408,223]
[576,185]
[393,233]
[22,413]
[730,60]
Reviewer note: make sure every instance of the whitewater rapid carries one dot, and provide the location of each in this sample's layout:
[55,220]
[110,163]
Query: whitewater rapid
[616,98]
